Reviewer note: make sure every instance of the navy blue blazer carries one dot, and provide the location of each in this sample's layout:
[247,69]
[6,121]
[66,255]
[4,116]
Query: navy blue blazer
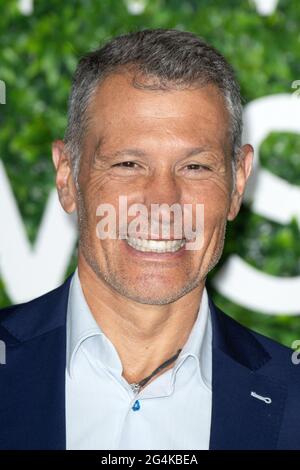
[32,382]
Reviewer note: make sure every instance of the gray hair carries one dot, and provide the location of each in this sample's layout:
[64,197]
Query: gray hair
[172,58]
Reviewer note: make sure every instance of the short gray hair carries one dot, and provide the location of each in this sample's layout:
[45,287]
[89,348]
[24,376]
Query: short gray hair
[172,58]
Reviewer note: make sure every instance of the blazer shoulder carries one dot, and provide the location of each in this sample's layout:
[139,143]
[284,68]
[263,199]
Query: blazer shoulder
[272,345]
[32,304]
[284,359]
[239,338]
[36,316]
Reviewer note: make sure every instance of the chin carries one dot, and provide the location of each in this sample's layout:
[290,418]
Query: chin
[153,300]
[155,296]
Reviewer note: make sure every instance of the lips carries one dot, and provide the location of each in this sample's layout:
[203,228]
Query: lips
[156,246]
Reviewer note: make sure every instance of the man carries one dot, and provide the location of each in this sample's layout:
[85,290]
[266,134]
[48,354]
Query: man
[130,352]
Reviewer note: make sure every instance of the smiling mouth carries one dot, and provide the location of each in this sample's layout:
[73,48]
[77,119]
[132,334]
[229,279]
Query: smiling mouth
[156,246]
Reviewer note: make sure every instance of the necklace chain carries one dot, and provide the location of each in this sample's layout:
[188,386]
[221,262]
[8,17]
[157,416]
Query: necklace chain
[137,386]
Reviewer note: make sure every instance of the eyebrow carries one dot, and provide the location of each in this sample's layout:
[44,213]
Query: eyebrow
[197,150]
[130,151]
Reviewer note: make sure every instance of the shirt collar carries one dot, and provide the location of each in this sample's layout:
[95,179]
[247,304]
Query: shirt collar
[81,325]
[199,342]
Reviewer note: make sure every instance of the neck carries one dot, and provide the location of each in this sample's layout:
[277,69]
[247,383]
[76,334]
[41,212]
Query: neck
[144,335]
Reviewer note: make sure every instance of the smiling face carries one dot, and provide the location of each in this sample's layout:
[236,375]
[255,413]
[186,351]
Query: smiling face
[155,146]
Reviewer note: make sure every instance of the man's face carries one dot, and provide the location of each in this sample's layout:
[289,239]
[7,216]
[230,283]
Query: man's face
[156,147]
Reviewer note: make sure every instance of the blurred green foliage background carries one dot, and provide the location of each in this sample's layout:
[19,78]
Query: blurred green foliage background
[39,53]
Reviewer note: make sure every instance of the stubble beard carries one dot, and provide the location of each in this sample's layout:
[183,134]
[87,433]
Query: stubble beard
[115,282]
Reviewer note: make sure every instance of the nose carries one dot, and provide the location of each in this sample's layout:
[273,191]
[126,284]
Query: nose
[162,188]
[162,192]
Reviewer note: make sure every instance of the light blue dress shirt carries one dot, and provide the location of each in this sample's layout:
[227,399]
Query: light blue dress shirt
[171,412]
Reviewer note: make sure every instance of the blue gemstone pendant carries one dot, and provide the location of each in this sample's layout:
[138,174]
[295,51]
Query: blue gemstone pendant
[136,405]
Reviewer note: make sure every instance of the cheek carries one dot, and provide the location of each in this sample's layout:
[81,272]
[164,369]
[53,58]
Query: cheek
[215,202]
[96,187]
[215,217]
[97,191]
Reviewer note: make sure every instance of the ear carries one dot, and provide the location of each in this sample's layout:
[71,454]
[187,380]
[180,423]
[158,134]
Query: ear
[243,171]
[64,179]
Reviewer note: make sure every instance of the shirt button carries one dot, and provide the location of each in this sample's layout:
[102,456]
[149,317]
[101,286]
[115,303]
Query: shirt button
[136,406]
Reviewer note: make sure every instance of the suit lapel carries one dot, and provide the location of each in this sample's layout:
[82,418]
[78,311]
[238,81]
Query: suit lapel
[32,392]
[239,419]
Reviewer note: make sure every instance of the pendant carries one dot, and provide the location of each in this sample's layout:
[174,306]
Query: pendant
[135,387]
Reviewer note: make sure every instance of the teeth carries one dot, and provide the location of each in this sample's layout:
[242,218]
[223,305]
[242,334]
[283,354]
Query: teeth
[158,246]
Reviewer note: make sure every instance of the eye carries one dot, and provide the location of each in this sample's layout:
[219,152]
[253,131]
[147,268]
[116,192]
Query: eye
[197,167]
[128,164]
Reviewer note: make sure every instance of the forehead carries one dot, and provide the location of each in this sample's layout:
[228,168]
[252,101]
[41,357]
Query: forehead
[118,108]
